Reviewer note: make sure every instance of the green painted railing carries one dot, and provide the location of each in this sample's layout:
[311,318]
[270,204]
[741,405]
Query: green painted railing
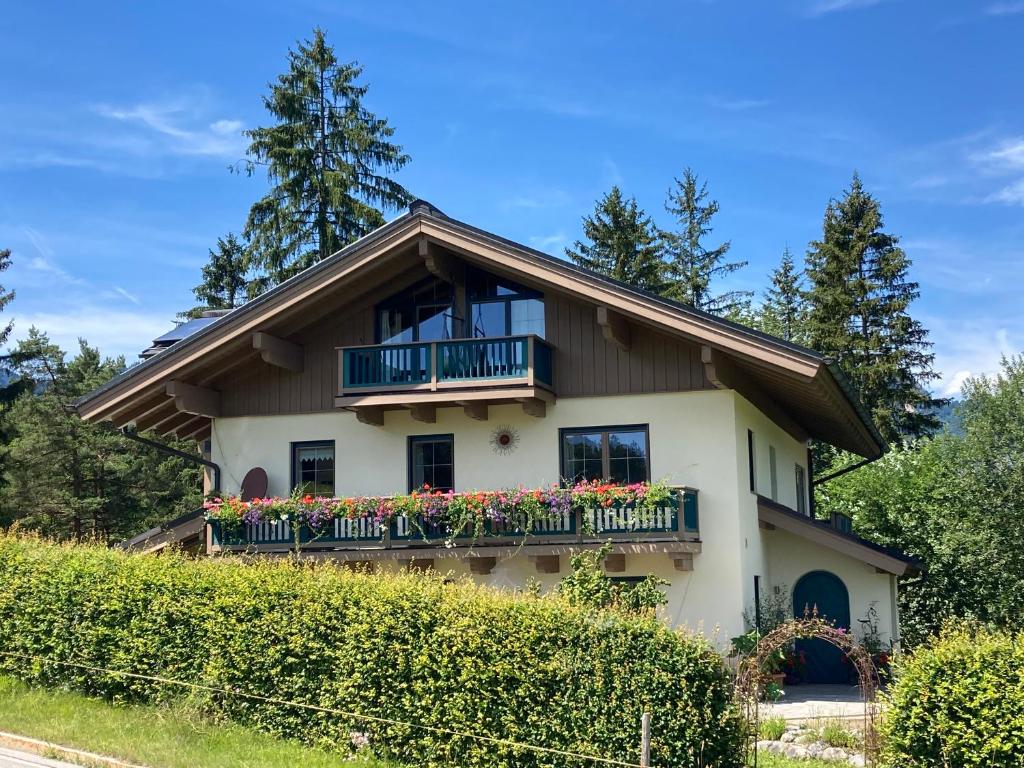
[677,517]
[426,365]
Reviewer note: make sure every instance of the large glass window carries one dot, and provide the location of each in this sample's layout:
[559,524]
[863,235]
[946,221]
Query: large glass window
[432,462]
[617,454]
[425,313]
[499,307]
[313,467]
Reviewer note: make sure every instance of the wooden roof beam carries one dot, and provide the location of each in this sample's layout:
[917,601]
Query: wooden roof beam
[279,352]
[614,327]
[189,398]
[441,264]
[154,416]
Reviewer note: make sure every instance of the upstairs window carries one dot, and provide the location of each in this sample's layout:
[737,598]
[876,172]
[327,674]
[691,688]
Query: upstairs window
[751,454]
[773,473]
[424,313]
[432,462]
[617,454]
[801,490]
[313,467]
[499,307]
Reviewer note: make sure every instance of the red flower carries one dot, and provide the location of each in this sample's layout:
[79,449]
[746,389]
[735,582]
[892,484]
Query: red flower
[307,499]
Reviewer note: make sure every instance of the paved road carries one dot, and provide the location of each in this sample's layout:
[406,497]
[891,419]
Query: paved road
[12,758]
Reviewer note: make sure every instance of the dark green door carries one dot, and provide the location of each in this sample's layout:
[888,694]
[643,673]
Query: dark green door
[825,662]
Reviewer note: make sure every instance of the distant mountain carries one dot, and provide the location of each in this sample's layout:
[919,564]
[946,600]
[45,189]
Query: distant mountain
[950,418]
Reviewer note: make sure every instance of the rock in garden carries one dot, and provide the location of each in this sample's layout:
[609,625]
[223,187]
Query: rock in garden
[833,753]
[788,737]
[857,760]
[795,751]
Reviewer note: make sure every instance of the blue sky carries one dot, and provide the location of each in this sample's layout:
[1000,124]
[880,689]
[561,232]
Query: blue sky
[118,122]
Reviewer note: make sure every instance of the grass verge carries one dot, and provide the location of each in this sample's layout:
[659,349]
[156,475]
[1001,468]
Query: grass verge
[768,760]
[160,737]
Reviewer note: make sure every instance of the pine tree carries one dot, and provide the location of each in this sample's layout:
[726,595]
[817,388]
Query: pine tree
[692,268]
[224,277]
[328,158]
[784,309]
[71,479]
[859,298]
[623,243]
[11,386]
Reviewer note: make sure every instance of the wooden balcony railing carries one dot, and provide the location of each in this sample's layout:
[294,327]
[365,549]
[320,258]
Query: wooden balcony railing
[676,519]
[446,364]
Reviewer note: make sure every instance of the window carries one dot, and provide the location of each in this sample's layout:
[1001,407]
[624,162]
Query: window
[750,461]
[424,313]
[499,307]
[313,467]
[801,490]
[618,454]
[432,462]
[773,472]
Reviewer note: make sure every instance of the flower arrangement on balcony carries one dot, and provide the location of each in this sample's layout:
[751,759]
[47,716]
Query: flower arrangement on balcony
[455,514]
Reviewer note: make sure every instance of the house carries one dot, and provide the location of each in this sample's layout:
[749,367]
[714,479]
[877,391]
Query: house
[433,352]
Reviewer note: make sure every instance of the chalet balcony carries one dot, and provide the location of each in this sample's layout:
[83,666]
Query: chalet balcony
[424,375]
[671,527]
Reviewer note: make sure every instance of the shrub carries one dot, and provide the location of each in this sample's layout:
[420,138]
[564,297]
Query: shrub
[771,728]
[835,734]
[404,648]
[958,700]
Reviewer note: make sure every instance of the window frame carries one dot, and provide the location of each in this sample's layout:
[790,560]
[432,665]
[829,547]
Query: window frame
[773,473]
[752,460]
[294,447]
[605,453]
[800,477]
[411,442]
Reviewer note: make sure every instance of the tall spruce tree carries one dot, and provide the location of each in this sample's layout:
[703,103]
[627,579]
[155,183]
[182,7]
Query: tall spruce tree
[783,312]
[328,159]
[224,277]
[623,243]
[11,386]
[859,299]
[692,267]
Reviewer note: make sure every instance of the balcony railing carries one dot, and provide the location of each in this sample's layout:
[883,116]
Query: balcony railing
[446,364]
[676,519]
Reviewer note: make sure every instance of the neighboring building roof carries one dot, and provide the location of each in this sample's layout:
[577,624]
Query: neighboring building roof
[182,331]
[793,385]
[822,532]
[188,529]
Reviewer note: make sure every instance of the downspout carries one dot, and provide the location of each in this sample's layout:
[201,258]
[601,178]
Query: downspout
[126,432]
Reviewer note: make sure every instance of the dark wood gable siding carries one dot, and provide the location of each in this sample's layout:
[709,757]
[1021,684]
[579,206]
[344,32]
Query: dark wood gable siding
[585,364]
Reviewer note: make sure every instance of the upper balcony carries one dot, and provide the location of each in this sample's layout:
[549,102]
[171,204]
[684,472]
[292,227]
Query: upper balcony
[421,376]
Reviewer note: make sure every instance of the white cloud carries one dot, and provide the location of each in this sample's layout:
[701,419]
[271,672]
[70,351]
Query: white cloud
[1012,194]
[737,105]
[124,294]
[971,348]
[549,243]
[114,332]
[955,383]
[822,7]
[1005,9]
[172,128]
[1007,155]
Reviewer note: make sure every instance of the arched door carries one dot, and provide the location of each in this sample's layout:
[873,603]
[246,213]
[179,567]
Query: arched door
[825,663]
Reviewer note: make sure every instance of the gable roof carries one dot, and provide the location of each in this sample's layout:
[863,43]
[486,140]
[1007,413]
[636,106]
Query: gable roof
[794,385]
[776,515]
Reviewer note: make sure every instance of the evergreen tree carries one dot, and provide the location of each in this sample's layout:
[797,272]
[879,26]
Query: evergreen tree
[859,298]
[224,277]
[692,267]
[328,158]
[783,311]
[10,385]
[623,243]
[71,479]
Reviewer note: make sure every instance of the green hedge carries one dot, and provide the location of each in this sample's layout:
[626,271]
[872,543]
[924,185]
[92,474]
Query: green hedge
[958,701]
[407,648]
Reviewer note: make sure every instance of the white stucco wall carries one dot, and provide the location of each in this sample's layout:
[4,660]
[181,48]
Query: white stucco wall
[697,439]
[692,443]
[790,557]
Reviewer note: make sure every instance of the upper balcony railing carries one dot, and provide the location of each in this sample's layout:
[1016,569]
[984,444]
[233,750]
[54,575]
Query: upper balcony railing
[437,365]
[676,519]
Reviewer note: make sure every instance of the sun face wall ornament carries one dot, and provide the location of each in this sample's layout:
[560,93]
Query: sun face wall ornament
[504,439]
